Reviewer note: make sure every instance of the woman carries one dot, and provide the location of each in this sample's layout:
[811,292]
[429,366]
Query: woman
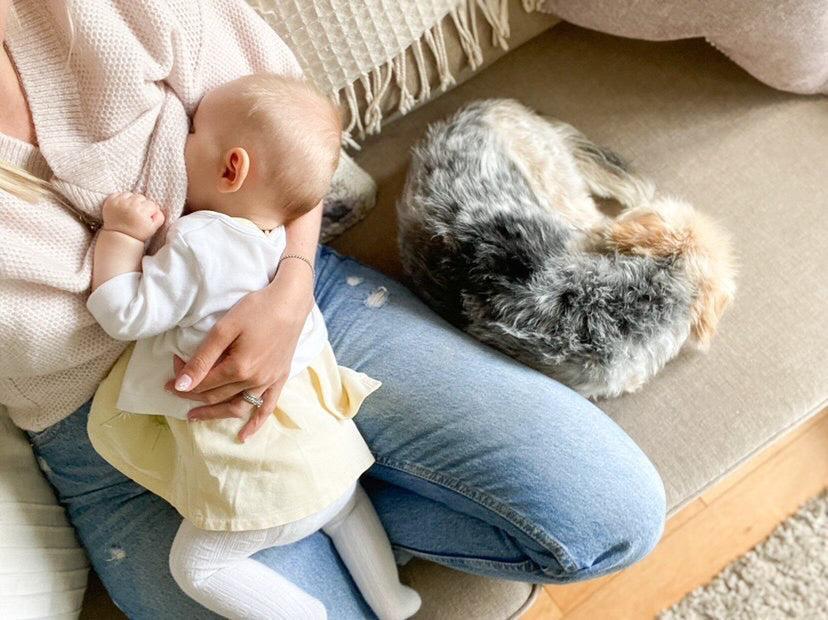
[482,464]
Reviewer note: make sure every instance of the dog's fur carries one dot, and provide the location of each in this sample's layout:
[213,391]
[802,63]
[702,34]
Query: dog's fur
[499,233]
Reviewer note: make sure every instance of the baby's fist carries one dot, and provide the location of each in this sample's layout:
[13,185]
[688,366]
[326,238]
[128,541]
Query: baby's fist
[132,214]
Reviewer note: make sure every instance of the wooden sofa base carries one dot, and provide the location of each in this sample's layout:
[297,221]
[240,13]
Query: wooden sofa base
[706,535]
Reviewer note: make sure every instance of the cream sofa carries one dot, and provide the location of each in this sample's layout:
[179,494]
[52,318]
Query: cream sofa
[705,130]
[702,129]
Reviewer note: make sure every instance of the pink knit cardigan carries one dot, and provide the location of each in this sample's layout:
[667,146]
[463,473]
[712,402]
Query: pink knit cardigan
[110,114]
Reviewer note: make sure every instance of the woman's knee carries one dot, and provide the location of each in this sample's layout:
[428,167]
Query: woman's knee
[620,526]
[537,457]
[636,522]
[586,495]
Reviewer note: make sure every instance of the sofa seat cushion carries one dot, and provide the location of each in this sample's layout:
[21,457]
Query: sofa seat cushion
[43,570]
[705,130]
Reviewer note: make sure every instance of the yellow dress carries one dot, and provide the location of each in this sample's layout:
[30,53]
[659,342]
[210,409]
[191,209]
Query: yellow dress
[305,455]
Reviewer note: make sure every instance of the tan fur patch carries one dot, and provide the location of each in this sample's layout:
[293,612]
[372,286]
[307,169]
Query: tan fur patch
[648,235]
[709,307]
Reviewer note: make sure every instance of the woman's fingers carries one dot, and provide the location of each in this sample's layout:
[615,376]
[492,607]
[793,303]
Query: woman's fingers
[220,394]
[255,422]
[270,398]
[178,366]
[192,374]
[240,408]
[221,375]
[234,408]
[226,372]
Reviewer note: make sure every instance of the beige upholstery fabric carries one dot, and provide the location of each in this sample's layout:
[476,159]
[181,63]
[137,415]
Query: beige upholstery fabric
[452,595]
[42,568]
[521,27]
[783,43]
[703,129]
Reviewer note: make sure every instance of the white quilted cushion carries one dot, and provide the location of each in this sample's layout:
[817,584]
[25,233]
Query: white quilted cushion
[42,568]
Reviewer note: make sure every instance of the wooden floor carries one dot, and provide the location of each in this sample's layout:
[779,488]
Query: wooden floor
[704,537]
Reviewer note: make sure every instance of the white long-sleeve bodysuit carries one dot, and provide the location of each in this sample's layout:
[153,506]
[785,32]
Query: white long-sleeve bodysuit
[210,261]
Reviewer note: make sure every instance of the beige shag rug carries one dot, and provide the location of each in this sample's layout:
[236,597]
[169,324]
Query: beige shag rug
[786,576]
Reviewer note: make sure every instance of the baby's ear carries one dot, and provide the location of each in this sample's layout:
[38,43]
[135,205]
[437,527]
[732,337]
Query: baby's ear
[235,166]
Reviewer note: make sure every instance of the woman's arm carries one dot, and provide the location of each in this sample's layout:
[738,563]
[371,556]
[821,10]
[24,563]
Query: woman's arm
[302,239]
[251,362]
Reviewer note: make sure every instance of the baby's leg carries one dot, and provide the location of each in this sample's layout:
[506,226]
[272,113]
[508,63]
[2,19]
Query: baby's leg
[215,569]
[363,545]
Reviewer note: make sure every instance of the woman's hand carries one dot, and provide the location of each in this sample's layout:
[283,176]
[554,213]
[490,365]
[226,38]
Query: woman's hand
[251,349]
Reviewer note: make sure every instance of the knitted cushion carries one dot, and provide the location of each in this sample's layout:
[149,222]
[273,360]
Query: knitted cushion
[351,195]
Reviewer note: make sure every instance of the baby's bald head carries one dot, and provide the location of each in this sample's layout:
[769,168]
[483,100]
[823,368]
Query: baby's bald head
[290,130]
[297,132]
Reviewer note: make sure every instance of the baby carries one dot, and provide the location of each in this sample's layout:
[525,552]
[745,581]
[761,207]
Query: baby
[262,150]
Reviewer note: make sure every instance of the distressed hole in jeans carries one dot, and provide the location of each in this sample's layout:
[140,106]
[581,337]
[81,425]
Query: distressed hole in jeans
[353,280]
[44,466]
[116,554]
[377,298]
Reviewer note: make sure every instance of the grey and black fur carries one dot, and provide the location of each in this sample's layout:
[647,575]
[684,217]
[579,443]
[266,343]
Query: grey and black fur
[499,233]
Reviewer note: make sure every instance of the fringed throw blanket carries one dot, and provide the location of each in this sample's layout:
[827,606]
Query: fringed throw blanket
[368,48]
[363,51]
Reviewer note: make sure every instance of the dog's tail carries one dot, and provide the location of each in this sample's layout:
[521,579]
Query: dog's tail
[605,173]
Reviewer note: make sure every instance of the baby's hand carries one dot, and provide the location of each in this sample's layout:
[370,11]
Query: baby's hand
[132,214]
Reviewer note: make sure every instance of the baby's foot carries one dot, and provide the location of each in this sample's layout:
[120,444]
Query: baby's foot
[410,600]
[403,602]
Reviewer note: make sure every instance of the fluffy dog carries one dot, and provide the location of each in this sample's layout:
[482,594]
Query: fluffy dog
[500,234]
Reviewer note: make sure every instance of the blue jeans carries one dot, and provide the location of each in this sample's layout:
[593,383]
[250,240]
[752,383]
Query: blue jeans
[482,464]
